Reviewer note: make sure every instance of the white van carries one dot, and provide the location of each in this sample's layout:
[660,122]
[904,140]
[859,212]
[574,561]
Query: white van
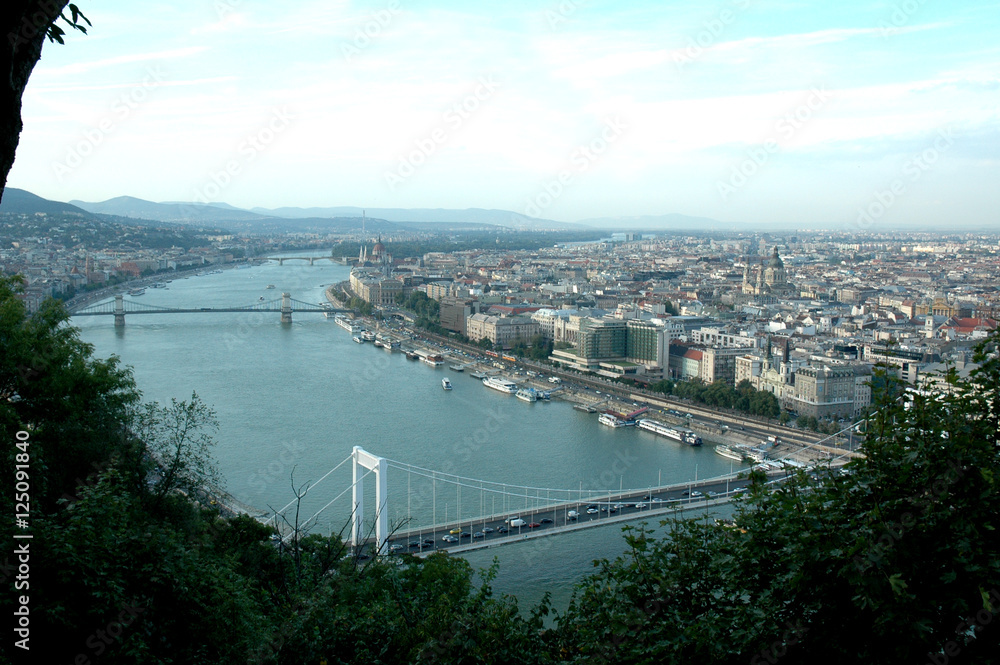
[572,515]
[517,522]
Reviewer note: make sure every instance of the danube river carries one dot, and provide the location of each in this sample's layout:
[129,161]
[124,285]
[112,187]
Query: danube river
[300,396]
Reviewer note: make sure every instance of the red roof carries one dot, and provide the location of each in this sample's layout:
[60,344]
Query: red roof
[968,325]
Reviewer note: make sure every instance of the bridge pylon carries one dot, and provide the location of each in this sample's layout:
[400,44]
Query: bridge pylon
[379,465]
[286,308]
[119,311]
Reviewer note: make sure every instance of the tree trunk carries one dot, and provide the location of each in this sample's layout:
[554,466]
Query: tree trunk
[24,24]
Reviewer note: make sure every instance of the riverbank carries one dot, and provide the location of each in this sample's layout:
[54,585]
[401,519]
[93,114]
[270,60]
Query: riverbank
[597,394]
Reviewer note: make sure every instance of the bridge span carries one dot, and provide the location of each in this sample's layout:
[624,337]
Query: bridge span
[285,306]
[526,512]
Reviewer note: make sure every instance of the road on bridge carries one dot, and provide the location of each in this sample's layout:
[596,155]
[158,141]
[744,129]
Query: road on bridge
[496,530]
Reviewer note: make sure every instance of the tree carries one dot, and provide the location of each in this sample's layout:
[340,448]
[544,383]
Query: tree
[76,408]
[26,25]
[179,438]
[899,553]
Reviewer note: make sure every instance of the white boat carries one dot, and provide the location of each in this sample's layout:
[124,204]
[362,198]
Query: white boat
[136,292]
[675,433]
[526,394]
[503,385]
[610,420]
[433,360]
[342,321]
[736,453]
[269,286]
[368,335]
[445,383]
[358,339]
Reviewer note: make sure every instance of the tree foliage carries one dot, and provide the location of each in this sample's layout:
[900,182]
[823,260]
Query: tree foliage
[743,397]
[894,561]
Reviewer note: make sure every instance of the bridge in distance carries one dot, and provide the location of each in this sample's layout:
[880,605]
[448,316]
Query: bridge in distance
[285,306]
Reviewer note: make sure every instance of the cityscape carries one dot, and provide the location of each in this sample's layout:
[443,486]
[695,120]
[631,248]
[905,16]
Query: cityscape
[500,333]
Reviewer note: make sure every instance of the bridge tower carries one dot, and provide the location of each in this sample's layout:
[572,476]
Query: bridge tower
[286,308]
[365,460]
[119,311]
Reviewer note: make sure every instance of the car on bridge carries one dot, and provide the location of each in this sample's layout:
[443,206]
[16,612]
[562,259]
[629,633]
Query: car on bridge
[448,538]
[546,520]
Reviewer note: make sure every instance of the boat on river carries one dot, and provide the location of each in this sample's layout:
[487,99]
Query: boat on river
[501,385]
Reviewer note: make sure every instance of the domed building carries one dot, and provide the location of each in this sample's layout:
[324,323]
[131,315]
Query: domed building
[771,279]
[378,251]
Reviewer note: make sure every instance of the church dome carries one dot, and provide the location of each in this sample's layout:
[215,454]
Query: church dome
[379,249]
[775,261]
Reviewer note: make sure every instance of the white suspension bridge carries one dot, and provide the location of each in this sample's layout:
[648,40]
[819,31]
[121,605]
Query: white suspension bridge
[494,513]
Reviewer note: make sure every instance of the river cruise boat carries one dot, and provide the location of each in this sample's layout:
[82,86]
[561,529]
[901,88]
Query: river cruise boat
[736,453]
[675,433]
[136,292]
[343,322]
[445,383]
[433,360]
[368,336]
[610,420]
[502,385]
[526,394]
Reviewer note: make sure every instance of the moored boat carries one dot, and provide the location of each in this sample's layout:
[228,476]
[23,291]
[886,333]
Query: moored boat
[610,420]
[675,433]
[527,394]
[501,385]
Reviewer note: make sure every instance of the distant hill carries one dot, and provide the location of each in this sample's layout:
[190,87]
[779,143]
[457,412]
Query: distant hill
[21,202]
[469,216]
[182,213]
[652,222]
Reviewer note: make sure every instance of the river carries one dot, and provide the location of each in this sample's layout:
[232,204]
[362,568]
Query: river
[297,398]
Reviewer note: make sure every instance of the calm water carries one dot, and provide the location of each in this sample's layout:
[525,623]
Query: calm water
[297,399]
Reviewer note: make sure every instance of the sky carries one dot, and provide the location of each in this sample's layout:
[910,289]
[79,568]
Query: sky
[860,116]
